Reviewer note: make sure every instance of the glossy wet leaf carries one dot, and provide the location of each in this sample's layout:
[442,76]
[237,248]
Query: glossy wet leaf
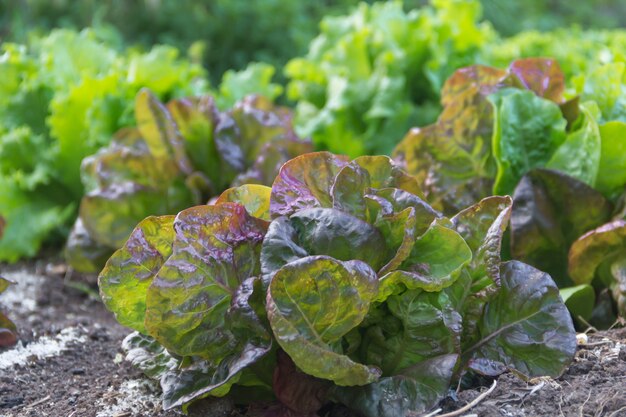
[311,304]
[413,390]
[255,198]
[434,263]
[127,275]
[188,303]
[550,211]
[305,182]
[526,326]
[322,231]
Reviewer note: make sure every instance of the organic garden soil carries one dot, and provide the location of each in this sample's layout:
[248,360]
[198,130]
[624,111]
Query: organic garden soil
[69,364]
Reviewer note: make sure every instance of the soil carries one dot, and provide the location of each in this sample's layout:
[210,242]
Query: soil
[69,363]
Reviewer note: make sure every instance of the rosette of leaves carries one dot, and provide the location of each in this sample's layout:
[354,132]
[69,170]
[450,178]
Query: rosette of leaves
[8,331]
[561,156]
[339,283]
[178,156]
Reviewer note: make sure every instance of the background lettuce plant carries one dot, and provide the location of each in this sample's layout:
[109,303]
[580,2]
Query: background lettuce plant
[337,283]
[559,153]
[62,97]
[371,74]
[178,156]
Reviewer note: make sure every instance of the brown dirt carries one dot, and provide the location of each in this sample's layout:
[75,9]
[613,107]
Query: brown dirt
[90,378]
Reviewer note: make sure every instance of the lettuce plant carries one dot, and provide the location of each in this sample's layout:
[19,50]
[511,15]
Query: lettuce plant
[339,283]
[178,156]
[62,96]
[375,72]
[559,154]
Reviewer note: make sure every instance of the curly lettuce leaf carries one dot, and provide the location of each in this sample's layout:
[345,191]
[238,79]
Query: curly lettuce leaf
[528,130]
[256,78]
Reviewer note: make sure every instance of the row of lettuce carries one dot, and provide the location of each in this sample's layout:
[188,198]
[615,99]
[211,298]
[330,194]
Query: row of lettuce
[374,282]
[368,77]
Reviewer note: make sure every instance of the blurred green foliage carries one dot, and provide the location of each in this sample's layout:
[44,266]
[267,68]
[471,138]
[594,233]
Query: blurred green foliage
[227,34]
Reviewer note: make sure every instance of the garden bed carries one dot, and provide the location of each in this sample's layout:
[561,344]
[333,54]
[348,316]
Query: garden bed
[69,363]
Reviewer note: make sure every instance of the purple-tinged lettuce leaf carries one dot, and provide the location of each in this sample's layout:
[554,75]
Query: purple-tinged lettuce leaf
[305,182]
[525,326]
[601,254]
[271,157]
[478,136]
[196,118]
[189,304]
[312,303]
[527,131]
[242,132]
[452,157]
[550,211]
[543,76]
[127,275]
[125,184]
[179,156]
[366,175]
[482,226]
[160,133]
[8,330]
[411,391]
[254,197]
